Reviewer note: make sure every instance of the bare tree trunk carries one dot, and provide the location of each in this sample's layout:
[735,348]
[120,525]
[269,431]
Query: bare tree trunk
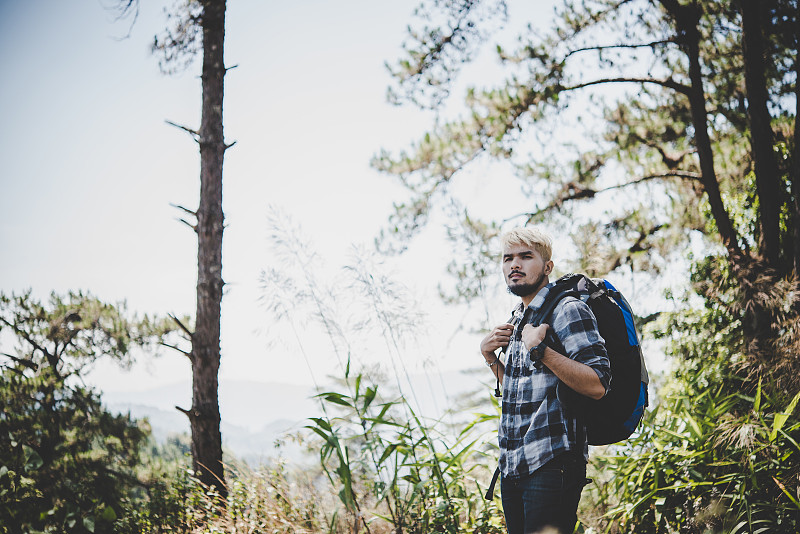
[795,176]
[761,135]
[204,417]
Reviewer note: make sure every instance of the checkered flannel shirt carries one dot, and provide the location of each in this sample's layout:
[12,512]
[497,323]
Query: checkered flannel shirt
[535,426]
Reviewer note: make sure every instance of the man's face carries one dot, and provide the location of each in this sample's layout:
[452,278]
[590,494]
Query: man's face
[524,270]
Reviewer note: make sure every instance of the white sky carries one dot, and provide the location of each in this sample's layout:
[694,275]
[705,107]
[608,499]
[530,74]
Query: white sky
[89,167]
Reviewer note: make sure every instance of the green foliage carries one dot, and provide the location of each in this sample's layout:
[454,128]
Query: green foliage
[67,465]
[174,502]
[68,333]
[163,501]
[381,453]
[708,459]
[435,52]
[273,499]
[277,500]
[719,452]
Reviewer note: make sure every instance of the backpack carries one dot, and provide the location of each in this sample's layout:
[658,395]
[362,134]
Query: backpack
[614,417]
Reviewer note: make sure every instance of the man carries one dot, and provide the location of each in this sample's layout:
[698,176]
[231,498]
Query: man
[543,447]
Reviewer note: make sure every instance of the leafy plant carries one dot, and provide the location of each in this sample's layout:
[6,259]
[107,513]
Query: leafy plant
[419,480]
[719,452]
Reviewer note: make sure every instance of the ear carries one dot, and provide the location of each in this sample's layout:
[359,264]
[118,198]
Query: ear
[548,267]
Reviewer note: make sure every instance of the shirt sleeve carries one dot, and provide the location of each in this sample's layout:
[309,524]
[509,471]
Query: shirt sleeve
[576,328]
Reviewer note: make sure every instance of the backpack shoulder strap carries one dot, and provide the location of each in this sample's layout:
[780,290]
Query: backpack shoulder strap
[567,286]
[578,286]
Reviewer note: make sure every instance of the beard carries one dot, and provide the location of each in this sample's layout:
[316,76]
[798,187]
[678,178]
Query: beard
[524,290]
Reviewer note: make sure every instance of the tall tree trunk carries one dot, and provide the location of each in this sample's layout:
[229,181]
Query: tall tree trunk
[795,169]
[205,418]
[768,180]
[686,18]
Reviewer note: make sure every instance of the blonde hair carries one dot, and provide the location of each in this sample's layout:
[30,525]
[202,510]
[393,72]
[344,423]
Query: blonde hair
[529,237]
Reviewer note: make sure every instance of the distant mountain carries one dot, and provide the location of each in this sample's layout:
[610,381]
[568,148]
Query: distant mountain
[242,403]
[256,414]
[163,422]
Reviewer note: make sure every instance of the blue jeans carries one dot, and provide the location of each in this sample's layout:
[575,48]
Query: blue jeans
[546,498]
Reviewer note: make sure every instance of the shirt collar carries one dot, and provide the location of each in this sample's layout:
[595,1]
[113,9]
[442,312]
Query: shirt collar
[538,300]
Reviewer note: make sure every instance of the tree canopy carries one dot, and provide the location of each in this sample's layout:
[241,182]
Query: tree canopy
[68,333]
[643,126]
[66,463]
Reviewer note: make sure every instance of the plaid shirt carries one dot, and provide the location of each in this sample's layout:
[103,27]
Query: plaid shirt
[535,426]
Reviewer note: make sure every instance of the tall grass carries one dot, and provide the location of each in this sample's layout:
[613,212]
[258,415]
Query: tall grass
[391,466]
[719,452]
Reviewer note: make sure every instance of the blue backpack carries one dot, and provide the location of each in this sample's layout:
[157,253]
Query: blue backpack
[614,417]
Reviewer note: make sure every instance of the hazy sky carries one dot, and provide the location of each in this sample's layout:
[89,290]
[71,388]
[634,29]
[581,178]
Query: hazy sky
[90,168]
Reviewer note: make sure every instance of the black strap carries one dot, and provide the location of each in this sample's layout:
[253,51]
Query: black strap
[490,492]
[504,350]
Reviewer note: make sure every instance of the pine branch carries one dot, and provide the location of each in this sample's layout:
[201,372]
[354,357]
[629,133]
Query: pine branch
[72,336]
[669,83]
[671,161]
[637,246]
[49,357]
[22,361]
[187,413]
[600,48]
[181,325]
[194,133]
[685,175]
[176,348]
[190,225]
[581,192]
[186,210]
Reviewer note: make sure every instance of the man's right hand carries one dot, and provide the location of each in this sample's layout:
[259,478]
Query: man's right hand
[499,337]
